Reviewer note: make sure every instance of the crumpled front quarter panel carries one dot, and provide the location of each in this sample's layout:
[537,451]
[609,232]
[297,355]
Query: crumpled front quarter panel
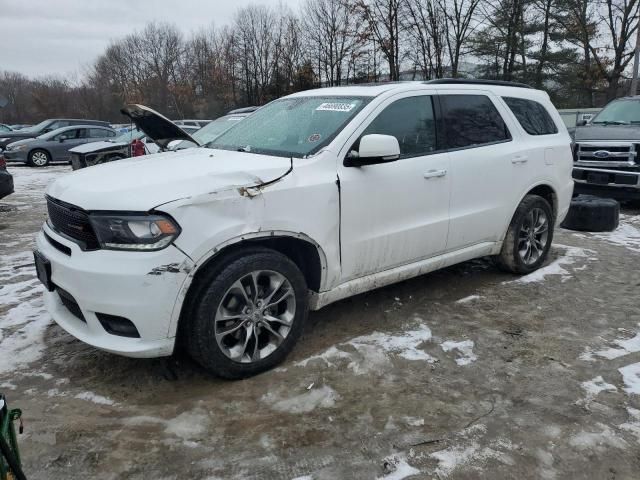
[305,201]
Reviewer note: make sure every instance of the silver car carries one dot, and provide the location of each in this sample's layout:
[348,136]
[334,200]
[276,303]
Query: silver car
[54,146]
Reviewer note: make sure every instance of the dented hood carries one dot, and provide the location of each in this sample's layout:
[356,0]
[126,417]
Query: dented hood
[157,127]
[143,183]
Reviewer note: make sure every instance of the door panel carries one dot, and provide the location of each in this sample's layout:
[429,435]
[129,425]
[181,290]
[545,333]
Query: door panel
[485,165]
[398,212]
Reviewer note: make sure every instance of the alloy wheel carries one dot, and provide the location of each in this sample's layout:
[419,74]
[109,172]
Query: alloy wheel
[533,237]
[255,316]
[39,159]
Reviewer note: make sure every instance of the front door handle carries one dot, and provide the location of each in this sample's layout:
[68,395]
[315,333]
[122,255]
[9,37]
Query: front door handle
[519,159]
[435,174]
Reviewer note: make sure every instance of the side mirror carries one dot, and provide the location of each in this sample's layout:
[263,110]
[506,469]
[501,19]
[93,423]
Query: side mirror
[375,149]
[581,123]
[62,139]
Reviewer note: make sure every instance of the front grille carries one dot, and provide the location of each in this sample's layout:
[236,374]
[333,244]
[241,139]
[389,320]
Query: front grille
[71,304]
[606,153]
[72,222]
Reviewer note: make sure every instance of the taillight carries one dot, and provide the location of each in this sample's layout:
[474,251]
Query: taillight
[3,162]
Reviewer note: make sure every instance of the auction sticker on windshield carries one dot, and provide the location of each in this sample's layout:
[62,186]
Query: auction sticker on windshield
[336,107]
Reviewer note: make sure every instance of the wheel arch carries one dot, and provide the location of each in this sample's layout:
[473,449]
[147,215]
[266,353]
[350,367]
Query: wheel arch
[42,149]
[306,253]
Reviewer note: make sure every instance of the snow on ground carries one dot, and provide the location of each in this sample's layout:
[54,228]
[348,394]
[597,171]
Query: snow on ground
[599,440]
[324,397]
[399,468]
[624,347]
[23,318]
[464,348]
[372,352]
[626,235]
[471,453]
[569,256]
[470,298]
[95,398]
[631,378]
[633,426]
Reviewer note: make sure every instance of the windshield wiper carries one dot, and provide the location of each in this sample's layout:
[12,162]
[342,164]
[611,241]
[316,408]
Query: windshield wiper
[610,122]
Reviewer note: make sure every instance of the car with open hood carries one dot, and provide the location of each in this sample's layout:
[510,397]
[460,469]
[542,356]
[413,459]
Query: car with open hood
[154,130]
[315,197]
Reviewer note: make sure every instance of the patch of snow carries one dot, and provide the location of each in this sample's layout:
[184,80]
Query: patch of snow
[464,348]
[8,385]
[571,255]
[414,421]
[631,378]
[597,440]
[188,425]
[456,456]
[324,397]
[470,298]
[631,345]
[626,235]
[304,477]
[92,397]
[369,353]
[633,426]
[597,385]
[400,468]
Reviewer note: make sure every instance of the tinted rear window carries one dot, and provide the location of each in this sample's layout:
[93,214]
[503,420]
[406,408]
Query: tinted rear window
[533,117]
[471,120]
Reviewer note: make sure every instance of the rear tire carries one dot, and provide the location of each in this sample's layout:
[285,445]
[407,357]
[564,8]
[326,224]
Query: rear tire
[38,158]
[529,236]
[247,314]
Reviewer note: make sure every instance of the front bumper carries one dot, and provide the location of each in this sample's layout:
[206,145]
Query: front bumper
[15,155]
[135,285]
[618,184]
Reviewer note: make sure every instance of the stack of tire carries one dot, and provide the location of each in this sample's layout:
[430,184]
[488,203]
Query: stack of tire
[592,214]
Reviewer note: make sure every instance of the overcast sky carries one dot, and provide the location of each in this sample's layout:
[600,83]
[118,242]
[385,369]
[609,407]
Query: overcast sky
[41,37]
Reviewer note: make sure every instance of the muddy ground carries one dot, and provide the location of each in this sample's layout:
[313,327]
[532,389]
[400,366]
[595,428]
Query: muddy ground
[463,373]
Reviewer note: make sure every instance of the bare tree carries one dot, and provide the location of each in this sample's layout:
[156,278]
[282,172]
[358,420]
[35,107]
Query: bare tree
[384,27]
[331,33]
[426,25]
[462,22]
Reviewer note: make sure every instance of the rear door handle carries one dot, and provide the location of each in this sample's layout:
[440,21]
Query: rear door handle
[435,174]
[520,159]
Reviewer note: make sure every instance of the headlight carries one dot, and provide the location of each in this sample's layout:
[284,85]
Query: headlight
[17,147]
[4,139]
[135,231]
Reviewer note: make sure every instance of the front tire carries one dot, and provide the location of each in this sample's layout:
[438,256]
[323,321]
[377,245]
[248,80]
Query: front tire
[528,239]
[247,315]
[39,158]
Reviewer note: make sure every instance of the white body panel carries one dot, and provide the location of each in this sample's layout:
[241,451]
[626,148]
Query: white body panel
[371,225]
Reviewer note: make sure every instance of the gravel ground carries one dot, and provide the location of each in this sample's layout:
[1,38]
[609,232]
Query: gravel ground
[463,373]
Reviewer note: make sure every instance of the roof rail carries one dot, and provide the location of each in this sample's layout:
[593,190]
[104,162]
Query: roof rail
[475,81]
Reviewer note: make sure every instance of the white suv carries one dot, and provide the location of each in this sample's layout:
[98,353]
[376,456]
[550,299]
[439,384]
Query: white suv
[315,197]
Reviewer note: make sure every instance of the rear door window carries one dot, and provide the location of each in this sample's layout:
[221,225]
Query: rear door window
[412,122]
[471,121]
[98,133]
[532,116]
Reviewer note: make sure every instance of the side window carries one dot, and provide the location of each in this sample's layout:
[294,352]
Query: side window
[68,134]
[111,133]
[98,133]
[471,120]
[533,117]
[411,121]
[82,132]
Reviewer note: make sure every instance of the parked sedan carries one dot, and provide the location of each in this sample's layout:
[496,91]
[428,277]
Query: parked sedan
[6,180]
[54,146]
